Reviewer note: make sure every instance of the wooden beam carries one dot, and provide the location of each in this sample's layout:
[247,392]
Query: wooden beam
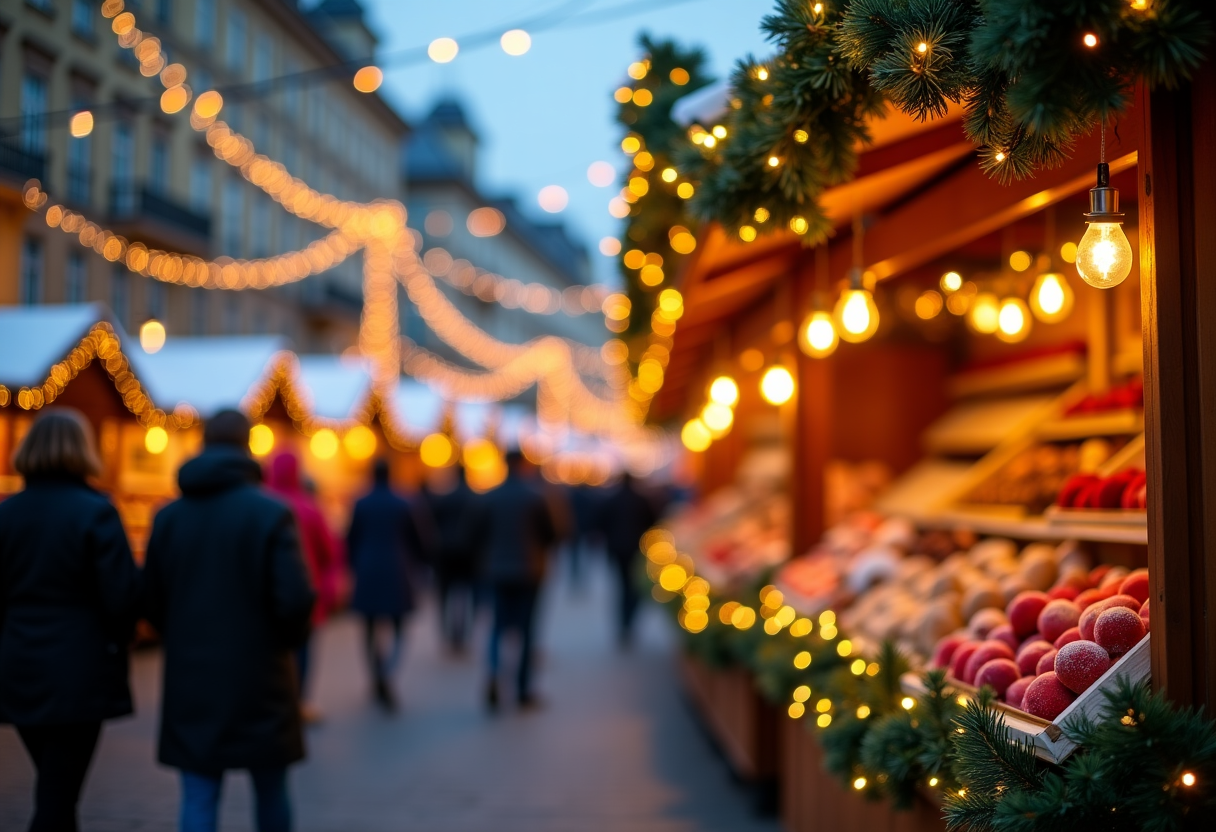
[1178,303]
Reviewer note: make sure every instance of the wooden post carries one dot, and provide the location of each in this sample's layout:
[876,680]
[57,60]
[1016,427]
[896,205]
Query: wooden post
[1178,298]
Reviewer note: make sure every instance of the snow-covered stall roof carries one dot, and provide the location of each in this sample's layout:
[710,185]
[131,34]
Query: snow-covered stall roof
[335,387]
[34,338]
[208,374]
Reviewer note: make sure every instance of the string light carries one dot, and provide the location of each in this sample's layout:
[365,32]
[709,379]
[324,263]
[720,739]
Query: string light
[368,79]
[984,315]
[856,315]
[817,337]
[952,282]
[723,390]
[443,50]
[261,440]
[152,336]
[156,440]
[777,385]
[1104,256]
[1013,320]
[81,124]
[1051,298]
[515,42]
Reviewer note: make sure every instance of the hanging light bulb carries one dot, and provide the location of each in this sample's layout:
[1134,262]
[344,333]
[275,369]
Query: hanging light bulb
[718,418]
[984,315]
[817,337]
[777,385]
[1013,320]
[1051,298]
[1104,256]
[695,436]
[856,313]
[724,391]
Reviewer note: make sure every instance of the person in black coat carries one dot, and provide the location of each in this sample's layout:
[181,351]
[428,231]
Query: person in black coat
[388,537]
[626,515]
[229,592]
[451,505]
[514,528]
[69,594]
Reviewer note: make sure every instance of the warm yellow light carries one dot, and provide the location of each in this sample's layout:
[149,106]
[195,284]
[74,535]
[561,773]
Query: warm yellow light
[683,242]
[671,302]
[863,711]
[801,627]
[799,225]
[631,144]
[443,50]
[643,161]
[827,618]
[368,79]
[208,105]
[1104,256]
[637,70]
[751,359]
[803,659]
[860,782]
[643,98]
[1188,779]
[639,186]
[360,442]
[1000,156]
[635,258]
[743,618]
[823,705]
[717,417]
[828,633]
[802,693]
[324,444]
[777,385]
[747,233]
[824,720]
[156,440]
[858,667]
[801,136]
[1068,252]
[651,275]
[762,74]
[685,190]
[719,131]
[922,47]
[174,99]
[984,315]
[1020,261]
[672,577]
[817,8]
[515,42]
[872,669]
[623,95]
[929,305]
[679,76]
[485,222]
[1052,298]
[773,161]
[952,281]
[261,440]
[844,648]
[1013,320]
[696,436]
[856,315]
[907,703]
[709,141]
[436,450]
[81,124]
[796,710]
[724,390]
[480,455]
[152,336]
[669,174]
[933,781]
[1090,40]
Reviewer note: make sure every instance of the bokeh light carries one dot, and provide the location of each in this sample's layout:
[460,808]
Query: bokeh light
[515,42]
[360,442]
[553,198]
[601,174]
[324,444]
[156,440]
[261,440]
[443,50]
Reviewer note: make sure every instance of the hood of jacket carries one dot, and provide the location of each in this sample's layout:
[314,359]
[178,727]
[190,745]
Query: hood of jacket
[284,474]
[217,469]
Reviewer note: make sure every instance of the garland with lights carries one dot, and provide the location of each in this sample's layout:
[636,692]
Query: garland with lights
[1032,76]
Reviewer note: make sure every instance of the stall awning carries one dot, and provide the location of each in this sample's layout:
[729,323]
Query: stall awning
[35,338]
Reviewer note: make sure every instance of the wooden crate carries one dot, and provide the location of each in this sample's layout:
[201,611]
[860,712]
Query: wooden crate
[743,725]
[1048,738]
[814,801]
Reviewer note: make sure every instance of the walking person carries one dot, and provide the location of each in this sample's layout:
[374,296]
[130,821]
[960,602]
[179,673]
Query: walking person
[322,556]
[515,529]
[627,514]
[227,588]
[451,503]
[388,538]
[69,595]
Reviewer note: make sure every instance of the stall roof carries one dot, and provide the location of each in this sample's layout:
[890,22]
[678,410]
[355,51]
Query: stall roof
[336,387]
[208,374]
[34,338]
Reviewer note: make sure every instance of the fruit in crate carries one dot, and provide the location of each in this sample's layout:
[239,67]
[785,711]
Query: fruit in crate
[1028,657]
[1125,489]
[1118,630]
[1080,664]
[1135,585]
[997,674]
[1124,396]
[1047,697]
[1057,617]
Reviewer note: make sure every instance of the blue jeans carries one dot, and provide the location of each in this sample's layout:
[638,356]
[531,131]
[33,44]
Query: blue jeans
[201,801]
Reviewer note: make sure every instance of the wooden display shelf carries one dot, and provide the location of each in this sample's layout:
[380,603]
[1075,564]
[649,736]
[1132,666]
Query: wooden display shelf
[814,801]
[743,725]
[1131,518]
[1037,528]
[1125,422]
[1047,737]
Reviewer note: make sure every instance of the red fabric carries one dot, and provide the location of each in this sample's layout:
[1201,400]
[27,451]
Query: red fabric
[322,552]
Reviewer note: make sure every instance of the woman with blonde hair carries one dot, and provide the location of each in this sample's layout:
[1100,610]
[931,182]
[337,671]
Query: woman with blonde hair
[69,595]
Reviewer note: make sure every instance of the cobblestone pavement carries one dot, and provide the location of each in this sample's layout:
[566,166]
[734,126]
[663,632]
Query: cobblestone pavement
[615,748]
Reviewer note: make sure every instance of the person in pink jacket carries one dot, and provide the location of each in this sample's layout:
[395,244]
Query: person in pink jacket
[322,554]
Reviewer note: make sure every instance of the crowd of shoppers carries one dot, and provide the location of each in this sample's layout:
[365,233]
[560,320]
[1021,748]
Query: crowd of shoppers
[238,572]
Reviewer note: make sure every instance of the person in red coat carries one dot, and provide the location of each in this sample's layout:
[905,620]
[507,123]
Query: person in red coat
[322,554]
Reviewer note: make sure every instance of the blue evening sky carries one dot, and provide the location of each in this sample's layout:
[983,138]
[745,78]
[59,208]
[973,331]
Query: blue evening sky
[545,116]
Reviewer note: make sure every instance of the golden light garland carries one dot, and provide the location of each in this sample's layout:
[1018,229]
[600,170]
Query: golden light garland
[535,298]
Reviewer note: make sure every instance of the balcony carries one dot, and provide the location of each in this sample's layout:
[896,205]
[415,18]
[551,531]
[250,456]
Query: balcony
[17,165]
[142,213]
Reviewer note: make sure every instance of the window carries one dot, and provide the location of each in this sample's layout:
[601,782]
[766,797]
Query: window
[158,164]
[82,18]
[260,134]
[33,107]
[234,41]
[123,168]
[233,217]
[259,231]
[120,294]
[200,185]
[156,299]
[77,277]
[31,270]
[80,164]
[204,24]
[263,57]
[200,305]
[291,93]
[232,313]
[261,321]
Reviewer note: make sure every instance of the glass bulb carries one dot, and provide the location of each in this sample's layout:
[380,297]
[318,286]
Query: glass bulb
[777,385]
[1104,256]
[985,313]
[817,337]
[724,390]
[1013,320]
[857,315]
[695,436]
[718,418]
[1051,298]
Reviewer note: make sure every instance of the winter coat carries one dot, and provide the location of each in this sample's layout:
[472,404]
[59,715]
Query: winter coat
[387,540]
[626,515]
[69,595]
[227,587]
[322,553]
[514,530]
[452,512]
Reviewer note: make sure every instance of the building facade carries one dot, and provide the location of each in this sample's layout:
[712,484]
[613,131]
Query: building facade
[491,233]
[150,177]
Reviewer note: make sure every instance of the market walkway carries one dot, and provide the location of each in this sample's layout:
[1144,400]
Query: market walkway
[614,750]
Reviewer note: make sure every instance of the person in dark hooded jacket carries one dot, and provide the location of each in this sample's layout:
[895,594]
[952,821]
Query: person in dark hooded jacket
[69,594]
[228,590]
